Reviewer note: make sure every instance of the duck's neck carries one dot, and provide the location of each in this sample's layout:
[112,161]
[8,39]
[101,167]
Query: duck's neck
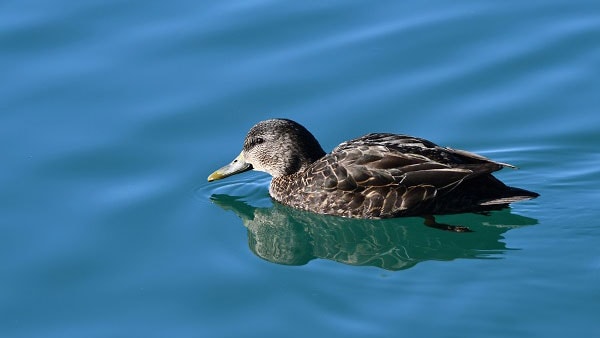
[315,153]
[283,188]
[299,162]
[310,152]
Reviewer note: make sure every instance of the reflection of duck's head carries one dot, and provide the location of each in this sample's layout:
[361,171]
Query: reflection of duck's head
[273,236]
[284,235]
[278,239]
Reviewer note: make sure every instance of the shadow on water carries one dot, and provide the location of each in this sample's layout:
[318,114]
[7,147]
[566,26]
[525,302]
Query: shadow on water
[284,235]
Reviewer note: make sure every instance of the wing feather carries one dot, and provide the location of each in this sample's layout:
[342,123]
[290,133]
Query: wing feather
[383,174]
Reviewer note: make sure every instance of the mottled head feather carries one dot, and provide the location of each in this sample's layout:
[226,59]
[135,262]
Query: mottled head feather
[281,147]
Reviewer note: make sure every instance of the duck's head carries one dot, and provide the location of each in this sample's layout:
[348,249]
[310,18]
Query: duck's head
[278,147]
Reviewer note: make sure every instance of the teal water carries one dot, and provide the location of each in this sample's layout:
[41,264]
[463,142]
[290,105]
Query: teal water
[114,113]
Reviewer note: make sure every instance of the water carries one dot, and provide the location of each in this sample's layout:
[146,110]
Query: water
[113,113]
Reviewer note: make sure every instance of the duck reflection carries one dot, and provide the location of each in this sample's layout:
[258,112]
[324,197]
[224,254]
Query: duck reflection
[284,235]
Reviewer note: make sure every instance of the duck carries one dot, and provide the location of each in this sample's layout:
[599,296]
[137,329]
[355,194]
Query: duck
[378,175]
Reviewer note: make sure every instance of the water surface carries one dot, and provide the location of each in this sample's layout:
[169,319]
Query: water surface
[114,113]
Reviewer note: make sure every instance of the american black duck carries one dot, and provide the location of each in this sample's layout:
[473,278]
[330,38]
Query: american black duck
[378,175]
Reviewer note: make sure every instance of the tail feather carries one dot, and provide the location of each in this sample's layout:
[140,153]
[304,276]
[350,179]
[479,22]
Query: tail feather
[510,195]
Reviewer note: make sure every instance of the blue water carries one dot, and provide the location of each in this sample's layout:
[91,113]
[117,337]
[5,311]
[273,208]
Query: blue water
[114,113]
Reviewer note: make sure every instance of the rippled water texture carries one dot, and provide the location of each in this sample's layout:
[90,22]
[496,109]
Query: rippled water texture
[114,113]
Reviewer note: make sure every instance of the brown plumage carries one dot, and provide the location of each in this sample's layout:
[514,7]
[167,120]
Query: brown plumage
[378,175]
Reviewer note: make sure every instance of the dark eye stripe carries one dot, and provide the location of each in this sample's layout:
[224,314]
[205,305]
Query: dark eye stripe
[255,141]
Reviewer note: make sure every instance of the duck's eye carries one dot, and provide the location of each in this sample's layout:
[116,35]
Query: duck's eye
[255,141]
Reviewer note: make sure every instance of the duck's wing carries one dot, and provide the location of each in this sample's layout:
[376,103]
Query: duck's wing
[356,169]
[422,148]
[396,169]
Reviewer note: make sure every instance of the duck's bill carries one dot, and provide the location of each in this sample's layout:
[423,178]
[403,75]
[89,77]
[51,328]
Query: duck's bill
[238,165]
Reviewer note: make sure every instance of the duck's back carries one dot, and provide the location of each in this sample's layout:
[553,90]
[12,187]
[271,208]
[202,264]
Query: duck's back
[388,175]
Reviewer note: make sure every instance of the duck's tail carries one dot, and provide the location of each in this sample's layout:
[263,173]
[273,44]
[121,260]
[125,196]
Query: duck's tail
[477,194]
[482,193]
[510,195]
